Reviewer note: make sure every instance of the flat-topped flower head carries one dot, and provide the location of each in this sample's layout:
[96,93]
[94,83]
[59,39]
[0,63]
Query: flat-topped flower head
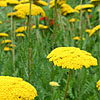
[71,58]
[21,29]
[40,2]
[96,28]
[13,88]
[59,3]
[35,10]
[7,49]
[98,85]
[6,41]
[0,22]
[67,9]
[95,2]
[3,4]
[78,38]
[84,6]
[3,35]
[53,83]
[12,2]
[20,35]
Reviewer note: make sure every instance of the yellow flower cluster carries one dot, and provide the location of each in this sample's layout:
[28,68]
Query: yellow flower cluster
[59,3]
[40,2]
[53,83]
[94,30]
[22,10]
[13,88]
[0,22]
[12,2]
[98,85]
[3,35]
[3,4]
[71,58]
[23,28]
[67,9]
[6,41]
[83,7]
[96,2]
[7,49]
[72,20]
[78,38]
[20,35]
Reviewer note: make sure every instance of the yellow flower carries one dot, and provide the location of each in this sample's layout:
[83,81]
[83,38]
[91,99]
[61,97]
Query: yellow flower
[71,58]
[53,83]
[83,7]
[13,88]
[7,49]
[21,29]
[20,35]
[67,9]
[6,41]
[40,26]
[98,85]
[94,30]
[12,45]
[3,4]
[3,35]
[72,20]
[40,2]
[12,2]
[24,1]
[78,38]
[0,22]
[59,3]
[35,10]
[18,14]
[88,30]
[95,2]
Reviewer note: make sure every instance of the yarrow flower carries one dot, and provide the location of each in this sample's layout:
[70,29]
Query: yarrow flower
[59,3]
[78,38]
[40,2]
[94,30]
[13,88]
[24,9]
[3,4]
[84,7]
[20,35]
[71,58]
[95,2]
[6,41]
[54,83]
[67,9]
[7,49]
[98,85]
[0,22]
[3,35]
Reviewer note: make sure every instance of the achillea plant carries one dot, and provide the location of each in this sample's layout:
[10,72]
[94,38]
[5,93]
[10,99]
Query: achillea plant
[71,58]
[13,88]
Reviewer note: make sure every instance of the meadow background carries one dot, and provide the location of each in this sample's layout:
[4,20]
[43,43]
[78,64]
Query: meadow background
[41,71]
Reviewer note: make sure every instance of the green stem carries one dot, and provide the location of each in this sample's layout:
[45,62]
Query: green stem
[12,38]
[89,24]
[29,41]
[67,84]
